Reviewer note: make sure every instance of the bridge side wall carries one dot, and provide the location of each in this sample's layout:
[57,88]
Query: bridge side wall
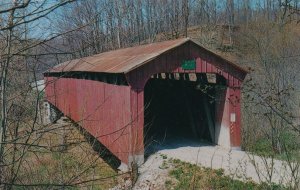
[104,110]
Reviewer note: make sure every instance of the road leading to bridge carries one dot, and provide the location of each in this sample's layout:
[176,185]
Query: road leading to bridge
[236,163]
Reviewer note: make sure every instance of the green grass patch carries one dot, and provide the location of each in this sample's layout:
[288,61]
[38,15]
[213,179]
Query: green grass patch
[289,147]
[190,176]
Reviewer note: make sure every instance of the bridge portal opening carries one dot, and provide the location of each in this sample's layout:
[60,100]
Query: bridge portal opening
[176,111]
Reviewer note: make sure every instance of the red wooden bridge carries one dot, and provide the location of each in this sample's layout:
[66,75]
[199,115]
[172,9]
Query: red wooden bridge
[107,93]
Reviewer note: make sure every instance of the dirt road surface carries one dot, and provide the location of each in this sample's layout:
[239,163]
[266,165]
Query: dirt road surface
[238,164]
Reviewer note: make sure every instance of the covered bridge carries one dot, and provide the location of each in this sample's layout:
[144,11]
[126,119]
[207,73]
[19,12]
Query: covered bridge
[121,97]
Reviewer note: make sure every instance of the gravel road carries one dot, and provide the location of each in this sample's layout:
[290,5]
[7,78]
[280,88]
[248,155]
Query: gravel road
[235,163]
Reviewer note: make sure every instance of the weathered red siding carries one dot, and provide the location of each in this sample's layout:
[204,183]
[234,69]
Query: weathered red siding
[102,109]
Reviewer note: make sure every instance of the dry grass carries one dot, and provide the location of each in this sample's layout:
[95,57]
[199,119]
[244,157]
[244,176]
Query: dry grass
[63,158]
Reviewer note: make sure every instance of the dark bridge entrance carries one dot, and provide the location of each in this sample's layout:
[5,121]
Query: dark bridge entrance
[178,109]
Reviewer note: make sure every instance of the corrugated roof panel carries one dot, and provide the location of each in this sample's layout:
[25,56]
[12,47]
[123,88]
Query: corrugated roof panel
[122,60]
[118,61]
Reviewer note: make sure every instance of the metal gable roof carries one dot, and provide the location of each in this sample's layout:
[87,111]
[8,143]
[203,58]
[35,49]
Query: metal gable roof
[124,60]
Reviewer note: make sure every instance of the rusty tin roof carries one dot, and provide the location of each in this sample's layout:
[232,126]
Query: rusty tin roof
[124,60]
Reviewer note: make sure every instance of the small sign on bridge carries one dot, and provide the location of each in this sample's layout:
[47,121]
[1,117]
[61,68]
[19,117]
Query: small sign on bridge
[188,65]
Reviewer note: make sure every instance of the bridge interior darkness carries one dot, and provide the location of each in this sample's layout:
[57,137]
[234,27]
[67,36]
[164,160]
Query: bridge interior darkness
[178,109]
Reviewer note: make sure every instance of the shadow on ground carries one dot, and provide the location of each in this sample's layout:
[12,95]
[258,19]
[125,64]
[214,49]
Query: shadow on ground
[102,151]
